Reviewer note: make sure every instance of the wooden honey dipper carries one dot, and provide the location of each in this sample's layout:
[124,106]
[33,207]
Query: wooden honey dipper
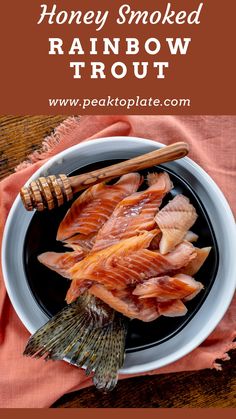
[53,191]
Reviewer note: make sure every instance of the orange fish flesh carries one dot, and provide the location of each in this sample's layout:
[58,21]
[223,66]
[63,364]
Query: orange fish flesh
[174,220]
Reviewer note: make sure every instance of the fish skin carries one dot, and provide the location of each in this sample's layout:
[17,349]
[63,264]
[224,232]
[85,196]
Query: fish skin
[89,334]
[101,263]
[126,304]
[172,308]
[148,310]
[61,262]
[86,242]
[168,288]
[191,237]
[154,177]
[75,247]
[134,214]
[194,265]
[174,220]
[155,243]
[127,262]
[94,206]
[127,308]
[189,280]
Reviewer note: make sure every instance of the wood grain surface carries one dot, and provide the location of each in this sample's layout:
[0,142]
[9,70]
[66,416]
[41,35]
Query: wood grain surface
[19,136]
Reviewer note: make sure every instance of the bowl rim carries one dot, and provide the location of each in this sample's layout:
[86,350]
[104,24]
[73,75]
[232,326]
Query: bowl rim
[207,328]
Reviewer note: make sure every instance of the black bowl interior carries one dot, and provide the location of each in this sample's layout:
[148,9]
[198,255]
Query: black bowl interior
[49,289]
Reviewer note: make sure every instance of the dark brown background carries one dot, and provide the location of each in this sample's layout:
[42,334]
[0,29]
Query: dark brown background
[29,76]
[117,413]
[209,388]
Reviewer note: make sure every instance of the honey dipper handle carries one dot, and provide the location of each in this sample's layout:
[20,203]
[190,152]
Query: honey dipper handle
[163,155]
[53,191]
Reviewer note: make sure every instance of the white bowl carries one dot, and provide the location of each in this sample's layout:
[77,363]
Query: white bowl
[220,295]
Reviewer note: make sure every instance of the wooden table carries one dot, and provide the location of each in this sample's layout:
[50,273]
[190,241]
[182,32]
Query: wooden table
[19,136]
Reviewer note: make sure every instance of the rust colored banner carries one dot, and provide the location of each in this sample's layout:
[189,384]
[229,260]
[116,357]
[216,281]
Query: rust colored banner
[106,57]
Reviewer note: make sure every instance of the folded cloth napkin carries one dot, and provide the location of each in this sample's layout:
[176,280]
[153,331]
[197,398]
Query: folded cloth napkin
[26,382]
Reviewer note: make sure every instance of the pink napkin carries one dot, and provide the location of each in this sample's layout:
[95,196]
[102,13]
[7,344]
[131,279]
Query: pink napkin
[28,383]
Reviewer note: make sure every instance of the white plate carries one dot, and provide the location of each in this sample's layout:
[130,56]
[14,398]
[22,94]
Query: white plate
[216,303]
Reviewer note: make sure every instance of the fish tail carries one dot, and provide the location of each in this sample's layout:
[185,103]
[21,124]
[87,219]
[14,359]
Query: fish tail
[88,334]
